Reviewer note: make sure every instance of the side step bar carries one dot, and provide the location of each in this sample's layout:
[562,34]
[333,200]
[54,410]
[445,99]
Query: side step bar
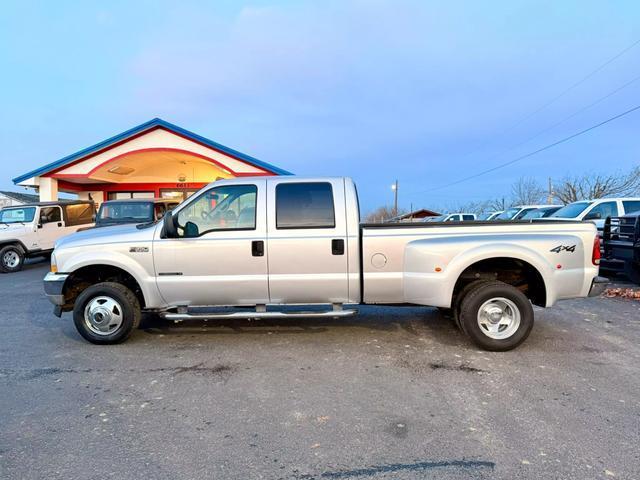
[256,315]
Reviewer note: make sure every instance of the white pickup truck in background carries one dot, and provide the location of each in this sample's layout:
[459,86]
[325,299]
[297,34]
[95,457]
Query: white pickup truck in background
[262,242]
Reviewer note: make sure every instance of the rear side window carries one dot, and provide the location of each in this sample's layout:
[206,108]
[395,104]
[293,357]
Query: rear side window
[631,206]
[79,214]
[304,205]
[468,217]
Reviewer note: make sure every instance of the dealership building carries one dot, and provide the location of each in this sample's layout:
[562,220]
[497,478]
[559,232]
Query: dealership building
[155,159]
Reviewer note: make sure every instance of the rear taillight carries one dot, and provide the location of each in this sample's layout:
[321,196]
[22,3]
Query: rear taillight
[595,254]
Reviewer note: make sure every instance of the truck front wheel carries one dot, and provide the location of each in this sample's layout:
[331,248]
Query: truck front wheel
[106,313]
[497,316]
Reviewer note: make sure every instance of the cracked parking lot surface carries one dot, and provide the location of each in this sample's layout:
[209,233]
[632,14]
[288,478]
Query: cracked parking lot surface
[392,393]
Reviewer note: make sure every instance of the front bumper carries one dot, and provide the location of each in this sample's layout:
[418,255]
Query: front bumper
[598,285]
[53,287]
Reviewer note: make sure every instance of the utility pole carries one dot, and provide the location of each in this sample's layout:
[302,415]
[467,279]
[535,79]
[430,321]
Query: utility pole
[550,194]
[394,187]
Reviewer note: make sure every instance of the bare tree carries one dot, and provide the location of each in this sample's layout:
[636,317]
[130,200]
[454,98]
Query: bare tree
[382,214]
[526,191]
[590,186]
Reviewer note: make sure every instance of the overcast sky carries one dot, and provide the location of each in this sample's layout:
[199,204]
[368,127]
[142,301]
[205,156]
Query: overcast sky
[423,92]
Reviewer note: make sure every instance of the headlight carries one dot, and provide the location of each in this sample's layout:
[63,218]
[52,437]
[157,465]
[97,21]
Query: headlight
[54,263]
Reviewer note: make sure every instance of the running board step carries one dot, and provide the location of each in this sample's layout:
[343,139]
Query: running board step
[244,315]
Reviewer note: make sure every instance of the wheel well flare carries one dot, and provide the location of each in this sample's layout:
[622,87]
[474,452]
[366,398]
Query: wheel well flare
[92,274]
[512,271]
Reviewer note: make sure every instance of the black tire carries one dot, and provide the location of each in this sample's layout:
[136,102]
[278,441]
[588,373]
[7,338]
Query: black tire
[126,307]
[458,300]
[470,307]
[11,259]
[446,312]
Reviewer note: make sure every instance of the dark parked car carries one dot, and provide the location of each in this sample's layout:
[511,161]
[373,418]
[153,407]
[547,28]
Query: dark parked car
[133,210]
[621,240]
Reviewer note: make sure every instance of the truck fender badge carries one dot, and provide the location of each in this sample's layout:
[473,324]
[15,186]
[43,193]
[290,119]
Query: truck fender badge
[563,248]
[138,249]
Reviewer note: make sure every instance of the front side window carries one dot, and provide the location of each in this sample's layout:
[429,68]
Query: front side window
[605,209]
[17,215]
[231,207]
[50,215]
[631,206]
[304,205]
[160,209]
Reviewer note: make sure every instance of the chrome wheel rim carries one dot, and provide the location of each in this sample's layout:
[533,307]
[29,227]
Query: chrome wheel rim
[499,318]
[11,259]
[103,315]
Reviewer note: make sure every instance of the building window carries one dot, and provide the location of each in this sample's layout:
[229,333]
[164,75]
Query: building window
[129,195]
[179,194]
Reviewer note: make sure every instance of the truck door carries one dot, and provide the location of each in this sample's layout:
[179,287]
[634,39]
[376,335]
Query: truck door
[50,227]
[220,257]
[306,241]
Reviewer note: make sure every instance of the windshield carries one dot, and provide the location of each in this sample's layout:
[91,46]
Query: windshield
[508,214]
[125,212]
[439,218]
[17,215]
[572,210]
[535,213]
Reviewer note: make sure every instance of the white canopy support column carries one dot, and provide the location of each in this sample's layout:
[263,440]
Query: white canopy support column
[48,189]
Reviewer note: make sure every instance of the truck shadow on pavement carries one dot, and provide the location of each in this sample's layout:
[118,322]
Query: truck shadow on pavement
[411,323]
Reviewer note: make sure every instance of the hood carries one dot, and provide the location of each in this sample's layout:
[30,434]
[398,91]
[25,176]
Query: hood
[105,235]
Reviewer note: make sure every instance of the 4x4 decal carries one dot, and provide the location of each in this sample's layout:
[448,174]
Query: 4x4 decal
[563,248]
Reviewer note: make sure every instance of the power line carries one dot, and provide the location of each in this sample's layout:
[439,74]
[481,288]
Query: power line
[567,90]
[535,152]
[575,85]
[569,117]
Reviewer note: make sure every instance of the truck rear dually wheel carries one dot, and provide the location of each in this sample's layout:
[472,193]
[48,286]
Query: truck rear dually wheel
[106,313]
[496,316]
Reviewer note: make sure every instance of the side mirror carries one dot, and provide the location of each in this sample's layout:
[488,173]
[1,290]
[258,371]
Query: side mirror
[93,218]
[169,225]
[593,216]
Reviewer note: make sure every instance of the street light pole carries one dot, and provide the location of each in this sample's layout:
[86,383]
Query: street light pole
[394,187]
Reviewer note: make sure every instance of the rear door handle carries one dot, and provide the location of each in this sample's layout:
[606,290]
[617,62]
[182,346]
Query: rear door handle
[337,246]
[257,248]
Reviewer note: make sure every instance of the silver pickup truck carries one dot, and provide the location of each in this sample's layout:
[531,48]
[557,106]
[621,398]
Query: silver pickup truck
[266,242]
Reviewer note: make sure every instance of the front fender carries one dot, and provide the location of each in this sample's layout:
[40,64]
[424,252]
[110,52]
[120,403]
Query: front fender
[141,270]
[433,266]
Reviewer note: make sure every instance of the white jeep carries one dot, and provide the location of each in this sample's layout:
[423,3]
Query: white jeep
[31,230]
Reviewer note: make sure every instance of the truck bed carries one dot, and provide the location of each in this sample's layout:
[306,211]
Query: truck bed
[416,262]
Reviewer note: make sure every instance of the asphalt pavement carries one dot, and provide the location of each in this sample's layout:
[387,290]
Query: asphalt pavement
[394,393]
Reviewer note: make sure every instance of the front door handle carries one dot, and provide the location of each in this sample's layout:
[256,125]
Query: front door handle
[257,248]
[337,246]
